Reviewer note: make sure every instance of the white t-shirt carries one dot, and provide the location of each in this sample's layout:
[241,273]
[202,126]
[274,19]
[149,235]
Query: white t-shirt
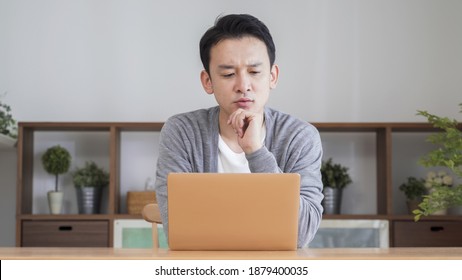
[230,161]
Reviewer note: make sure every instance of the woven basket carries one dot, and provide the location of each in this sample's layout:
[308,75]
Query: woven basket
[137,200]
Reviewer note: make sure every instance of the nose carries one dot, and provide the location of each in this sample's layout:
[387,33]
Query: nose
[243,84]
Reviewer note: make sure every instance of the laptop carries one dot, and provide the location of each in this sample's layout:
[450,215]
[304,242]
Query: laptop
[233,211]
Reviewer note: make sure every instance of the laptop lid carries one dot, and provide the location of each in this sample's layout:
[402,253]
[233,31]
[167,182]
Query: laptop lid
[233,211]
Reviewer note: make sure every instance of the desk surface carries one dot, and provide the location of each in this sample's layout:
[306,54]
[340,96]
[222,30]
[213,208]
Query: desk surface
[24,253]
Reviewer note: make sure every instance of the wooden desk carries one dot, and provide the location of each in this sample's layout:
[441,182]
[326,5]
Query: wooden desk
[29,253]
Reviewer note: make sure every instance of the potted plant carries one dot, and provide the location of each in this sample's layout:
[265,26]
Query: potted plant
[56,160]
[335,177]
[438,182]
[89,182]
[449,155]
[8,127]
[414,189]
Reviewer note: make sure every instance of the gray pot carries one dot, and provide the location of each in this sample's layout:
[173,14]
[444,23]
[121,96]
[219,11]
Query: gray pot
[89,200]
[332,200]
[412,205]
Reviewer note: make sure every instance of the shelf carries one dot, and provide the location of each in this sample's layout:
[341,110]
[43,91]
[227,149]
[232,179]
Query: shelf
[325,217]
[354,217]
[66,217]
[410,218]
[380,156]
[128,216]
[80,217]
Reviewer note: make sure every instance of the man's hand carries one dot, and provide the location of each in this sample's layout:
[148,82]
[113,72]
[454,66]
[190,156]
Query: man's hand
[249,128]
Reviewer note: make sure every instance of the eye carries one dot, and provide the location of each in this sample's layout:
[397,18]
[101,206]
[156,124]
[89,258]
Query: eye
[254,71]
[229,75]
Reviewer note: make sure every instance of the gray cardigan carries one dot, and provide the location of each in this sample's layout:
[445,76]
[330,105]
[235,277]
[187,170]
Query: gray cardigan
[189,143]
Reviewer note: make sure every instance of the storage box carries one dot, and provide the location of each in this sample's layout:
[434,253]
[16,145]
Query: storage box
[427,233]
[70,233]
[351,233]
[137,200]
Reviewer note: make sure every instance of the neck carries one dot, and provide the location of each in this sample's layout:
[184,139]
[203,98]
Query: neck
[228,134]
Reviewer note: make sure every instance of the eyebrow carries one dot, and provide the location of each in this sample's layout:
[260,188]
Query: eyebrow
[227,66]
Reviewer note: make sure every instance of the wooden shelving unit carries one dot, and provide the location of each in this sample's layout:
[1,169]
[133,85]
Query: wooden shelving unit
[403,230]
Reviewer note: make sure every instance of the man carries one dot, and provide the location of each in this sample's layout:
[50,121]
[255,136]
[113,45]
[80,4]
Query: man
[241,134]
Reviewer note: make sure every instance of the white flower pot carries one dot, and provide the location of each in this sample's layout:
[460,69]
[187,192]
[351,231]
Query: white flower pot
[441,212]
[55,202]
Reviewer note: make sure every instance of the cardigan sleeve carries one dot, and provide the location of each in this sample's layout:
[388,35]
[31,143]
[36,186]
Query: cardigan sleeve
[297,152]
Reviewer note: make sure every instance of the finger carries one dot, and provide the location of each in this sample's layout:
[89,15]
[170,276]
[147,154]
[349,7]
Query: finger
[244,122]
[241,123]
[232,117]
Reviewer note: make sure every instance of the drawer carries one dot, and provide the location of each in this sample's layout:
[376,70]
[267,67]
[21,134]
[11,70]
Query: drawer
[427,234]
[65,234]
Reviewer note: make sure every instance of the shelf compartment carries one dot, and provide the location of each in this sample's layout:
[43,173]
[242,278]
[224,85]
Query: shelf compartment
[83,146]
[138,157]
[357,152]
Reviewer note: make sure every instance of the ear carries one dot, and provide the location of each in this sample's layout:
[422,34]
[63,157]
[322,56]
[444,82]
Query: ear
[206,82]
[274,76]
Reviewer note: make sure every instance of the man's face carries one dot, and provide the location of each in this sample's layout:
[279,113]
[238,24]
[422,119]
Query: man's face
[240,75]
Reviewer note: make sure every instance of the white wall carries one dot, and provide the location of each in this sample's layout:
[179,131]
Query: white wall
[67,60]
[105,60]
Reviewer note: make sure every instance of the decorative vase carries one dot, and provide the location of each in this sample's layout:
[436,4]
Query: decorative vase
[332,200]
[55,202]
[89,200]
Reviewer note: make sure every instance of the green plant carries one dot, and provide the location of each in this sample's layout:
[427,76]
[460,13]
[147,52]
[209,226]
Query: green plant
[91,175]
[7,122]
[56,160]
[334,175]
[448,154]
[414,188]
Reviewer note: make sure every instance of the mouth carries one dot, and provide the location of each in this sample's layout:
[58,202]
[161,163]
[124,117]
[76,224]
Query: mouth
[244,102]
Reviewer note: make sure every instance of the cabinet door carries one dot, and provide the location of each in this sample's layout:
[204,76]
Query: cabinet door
[427,234]
[65,234]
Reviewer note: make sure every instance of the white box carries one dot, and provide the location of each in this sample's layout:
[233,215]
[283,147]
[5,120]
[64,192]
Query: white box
[352,234]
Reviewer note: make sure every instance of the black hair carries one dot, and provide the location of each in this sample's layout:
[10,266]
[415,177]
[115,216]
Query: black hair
[235,26]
